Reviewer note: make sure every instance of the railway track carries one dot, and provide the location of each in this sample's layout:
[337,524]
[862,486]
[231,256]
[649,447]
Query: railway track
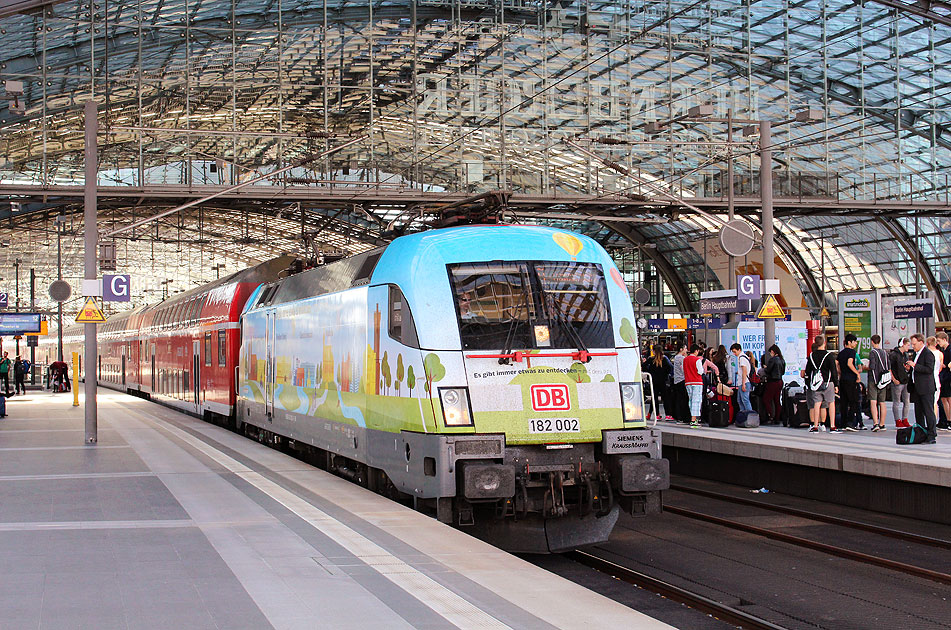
[696,601]
[834,550]
[816,516]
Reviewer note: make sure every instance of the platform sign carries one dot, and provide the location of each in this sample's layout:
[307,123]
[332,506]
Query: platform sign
[748,287]
[4,299]
[20,323]
[914,309]
[116,288]
[90,313]
[724,305]
[770,309]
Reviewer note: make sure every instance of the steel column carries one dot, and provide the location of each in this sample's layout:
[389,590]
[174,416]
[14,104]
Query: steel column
[766,195]
[91,237]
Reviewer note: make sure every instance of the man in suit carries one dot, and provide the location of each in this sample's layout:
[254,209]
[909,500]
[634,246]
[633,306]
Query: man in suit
[923,385]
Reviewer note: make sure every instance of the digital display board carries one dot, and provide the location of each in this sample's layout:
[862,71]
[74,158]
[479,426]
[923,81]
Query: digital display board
[19,323]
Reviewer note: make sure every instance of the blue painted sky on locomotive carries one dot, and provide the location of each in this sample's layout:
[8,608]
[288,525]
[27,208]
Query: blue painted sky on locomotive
[418,265]
[497,292]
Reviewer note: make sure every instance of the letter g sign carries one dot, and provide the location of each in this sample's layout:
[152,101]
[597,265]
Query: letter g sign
[747,287]
[116,288]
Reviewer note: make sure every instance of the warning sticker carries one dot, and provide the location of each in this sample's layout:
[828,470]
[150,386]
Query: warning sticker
[90,313]
[770,309]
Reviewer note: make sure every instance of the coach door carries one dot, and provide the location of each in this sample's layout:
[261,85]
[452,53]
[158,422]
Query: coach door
[152,352]
[269,372]
[123,365]
[196,372]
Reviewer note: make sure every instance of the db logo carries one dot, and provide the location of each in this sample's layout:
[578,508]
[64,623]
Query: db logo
[550,398]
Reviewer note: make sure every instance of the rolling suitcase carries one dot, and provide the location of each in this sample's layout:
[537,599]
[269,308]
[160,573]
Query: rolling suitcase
[800,418]
[747,419]
[718,412]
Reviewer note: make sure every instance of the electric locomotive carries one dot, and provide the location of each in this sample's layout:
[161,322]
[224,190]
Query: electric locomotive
[489,372]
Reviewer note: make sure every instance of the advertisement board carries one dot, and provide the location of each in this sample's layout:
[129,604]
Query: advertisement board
[859,314]
[791,337]
[896,322]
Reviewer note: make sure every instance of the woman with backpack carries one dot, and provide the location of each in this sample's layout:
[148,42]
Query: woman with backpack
[775,369]
[822,383]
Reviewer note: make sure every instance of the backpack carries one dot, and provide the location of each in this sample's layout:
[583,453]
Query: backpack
[816,382]
[885,378]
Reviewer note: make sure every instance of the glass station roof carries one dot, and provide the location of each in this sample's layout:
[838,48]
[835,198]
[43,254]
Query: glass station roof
[549,101]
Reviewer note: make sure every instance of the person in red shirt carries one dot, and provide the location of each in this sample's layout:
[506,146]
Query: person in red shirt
[693,379]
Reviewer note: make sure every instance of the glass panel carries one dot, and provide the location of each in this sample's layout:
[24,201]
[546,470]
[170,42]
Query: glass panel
[493,304]
[576,302]
[500,304]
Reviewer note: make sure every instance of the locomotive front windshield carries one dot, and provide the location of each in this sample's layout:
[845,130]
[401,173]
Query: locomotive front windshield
[531,305]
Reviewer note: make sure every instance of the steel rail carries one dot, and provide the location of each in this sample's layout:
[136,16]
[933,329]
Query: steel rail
[816,516]
[696,601]
[840,552]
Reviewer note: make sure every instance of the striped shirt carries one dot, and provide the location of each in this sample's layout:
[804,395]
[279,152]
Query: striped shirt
[679,368]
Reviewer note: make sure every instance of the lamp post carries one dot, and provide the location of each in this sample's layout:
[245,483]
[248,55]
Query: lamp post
[60,224]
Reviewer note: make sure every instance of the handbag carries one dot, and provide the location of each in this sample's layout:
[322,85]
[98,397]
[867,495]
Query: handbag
[915,434]
[724,390]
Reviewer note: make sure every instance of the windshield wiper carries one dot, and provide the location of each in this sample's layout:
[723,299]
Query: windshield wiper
[510,336]
[573,336]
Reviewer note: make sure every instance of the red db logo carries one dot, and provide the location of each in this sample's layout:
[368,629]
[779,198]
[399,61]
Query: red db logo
[550,398]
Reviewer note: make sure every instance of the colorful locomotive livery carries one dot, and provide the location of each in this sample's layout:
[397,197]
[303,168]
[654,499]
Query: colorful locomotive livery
[491,373]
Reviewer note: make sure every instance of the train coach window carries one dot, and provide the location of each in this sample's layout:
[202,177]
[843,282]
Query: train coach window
[222,347]
[208,348]
[402,328]
[196,307]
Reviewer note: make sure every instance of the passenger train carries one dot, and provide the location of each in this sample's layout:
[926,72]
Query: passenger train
[490,373]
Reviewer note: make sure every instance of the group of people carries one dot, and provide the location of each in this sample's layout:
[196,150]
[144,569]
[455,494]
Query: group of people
[17,368]
[917,370]
[680,383]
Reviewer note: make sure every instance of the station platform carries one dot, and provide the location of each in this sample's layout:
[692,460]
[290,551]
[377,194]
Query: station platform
[170,522]
[861,452]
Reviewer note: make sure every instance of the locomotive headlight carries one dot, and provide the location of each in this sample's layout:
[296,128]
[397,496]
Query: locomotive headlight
[632,402]
[455,406]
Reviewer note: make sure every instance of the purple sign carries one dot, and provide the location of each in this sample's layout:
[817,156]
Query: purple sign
[116,288]
[747,287]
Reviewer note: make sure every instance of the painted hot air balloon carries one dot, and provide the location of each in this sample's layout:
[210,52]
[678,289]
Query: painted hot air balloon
[569,243]
[618,280]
